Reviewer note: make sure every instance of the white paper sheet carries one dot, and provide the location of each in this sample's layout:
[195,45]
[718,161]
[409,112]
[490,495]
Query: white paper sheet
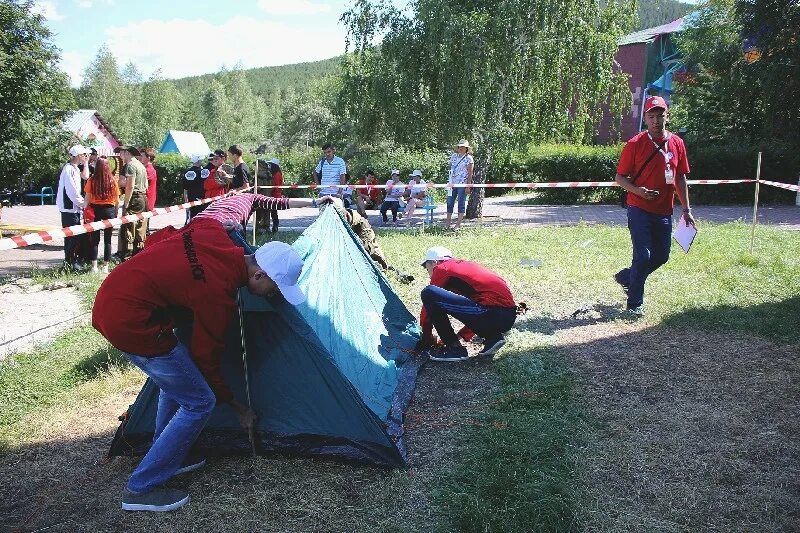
[684,234]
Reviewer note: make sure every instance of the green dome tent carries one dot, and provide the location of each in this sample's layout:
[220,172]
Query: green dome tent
[332,377]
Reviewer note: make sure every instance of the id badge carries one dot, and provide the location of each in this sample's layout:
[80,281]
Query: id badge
[669,177]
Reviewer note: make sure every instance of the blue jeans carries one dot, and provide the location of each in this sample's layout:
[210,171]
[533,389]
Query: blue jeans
[488,322]
[651,236]
[461,194]
[184,405]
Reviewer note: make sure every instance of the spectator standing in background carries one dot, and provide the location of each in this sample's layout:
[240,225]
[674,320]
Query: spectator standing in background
[212,186]
[241,172]
[277,181]
[146,158]
[102,195]
[69,200]
[132,234]
[330,172]
[462,165]
[193,185]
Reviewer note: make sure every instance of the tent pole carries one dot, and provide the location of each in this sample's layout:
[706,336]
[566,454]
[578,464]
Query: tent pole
[255,213]
[755,203]
[251,431]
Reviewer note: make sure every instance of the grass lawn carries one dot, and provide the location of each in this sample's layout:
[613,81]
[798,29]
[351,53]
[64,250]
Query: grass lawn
[685,419]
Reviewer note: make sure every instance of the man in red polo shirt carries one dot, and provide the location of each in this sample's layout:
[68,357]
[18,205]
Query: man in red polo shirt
[652,167]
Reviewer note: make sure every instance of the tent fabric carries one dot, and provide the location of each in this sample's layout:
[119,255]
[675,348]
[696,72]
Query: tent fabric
[350,305]
[318,388]
[186,143]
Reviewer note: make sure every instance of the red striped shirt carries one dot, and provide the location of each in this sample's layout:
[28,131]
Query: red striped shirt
[237,208]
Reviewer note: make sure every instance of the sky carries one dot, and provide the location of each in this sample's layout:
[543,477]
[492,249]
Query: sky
[183,37]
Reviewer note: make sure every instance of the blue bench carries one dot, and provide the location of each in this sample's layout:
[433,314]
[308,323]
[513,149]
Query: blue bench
[42,195]
[429,208]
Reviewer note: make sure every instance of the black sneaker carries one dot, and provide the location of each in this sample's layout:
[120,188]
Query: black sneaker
[191,463]
[157,500]
[620,278]
[450,354]
[492,345]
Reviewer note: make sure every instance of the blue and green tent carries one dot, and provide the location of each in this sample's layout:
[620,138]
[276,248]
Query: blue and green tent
[331,377]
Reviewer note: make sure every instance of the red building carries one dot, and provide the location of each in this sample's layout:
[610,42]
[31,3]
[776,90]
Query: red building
[650,58]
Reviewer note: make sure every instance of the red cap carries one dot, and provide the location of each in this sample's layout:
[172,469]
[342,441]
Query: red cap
[653,102]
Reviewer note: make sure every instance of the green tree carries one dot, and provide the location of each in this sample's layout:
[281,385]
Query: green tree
[161,109]
[728,96]
[217,114]
[34,98]
[501,73]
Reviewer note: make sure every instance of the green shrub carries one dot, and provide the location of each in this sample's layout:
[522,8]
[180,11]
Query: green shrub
[170,169]
[738,161]
[559,162]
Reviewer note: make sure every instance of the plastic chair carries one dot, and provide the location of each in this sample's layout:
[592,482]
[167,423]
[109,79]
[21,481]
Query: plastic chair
[429,206]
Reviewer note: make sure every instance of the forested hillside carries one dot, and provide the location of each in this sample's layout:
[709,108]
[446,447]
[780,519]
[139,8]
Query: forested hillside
[269,81]
[658,12]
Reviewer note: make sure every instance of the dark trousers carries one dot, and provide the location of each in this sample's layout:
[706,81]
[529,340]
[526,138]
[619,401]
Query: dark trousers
[273,214]
[651,237]
[389,206]
[102,212]
[70,243]
[488,322]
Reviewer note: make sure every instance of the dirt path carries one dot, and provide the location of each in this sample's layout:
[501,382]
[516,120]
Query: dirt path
[32,314]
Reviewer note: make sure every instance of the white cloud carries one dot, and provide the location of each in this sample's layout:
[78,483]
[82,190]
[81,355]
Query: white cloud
[47,10]
[296,7]
[182,47]
[73,63]
[88,4]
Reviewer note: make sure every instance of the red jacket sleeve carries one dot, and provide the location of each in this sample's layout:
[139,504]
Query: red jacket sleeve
[211,321]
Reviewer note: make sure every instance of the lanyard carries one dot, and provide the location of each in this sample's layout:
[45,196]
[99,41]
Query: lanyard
[660,149]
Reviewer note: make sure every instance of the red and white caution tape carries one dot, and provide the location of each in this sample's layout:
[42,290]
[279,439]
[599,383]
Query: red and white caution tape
[534,185]
[787,186]
[44,236]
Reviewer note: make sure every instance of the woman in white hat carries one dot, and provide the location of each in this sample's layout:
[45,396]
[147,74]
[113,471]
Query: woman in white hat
[419,189]
[394,191]
[462,165]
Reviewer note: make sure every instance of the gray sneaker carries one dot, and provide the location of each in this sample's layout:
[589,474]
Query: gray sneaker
[157,500]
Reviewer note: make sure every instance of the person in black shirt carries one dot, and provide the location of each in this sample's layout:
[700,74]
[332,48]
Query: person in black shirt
[193,189]
[241,173]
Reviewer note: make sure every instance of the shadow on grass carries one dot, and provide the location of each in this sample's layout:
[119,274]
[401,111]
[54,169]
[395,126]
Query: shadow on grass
[587,314]
[100,362]
[773,320]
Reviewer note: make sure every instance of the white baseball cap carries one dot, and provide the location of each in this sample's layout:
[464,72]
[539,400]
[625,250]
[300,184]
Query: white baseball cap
[78,150]
[283,265]
[416,173]
[196,158]
[437,253]
[275,161]
[463,143]
[395,171]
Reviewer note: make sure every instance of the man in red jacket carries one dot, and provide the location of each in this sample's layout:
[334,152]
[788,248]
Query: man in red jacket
[472,294]
[195,269]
